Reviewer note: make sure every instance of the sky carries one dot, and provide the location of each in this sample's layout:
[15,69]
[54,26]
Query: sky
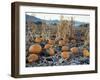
[47,16]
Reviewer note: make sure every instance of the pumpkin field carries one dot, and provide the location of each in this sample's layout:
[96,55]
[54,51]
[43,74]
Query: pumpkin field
[56,42]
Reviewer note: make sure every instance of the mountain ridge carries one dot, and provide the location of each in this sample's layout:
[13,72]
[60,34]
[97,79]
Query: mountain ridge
[52,22]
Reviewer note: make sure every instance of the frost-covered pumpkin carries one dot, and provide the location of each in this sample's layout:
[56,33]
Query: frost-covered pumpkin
[62,43]
[65,55]
[38,39]
[74,50]
[86,53]
[36,49]
[47,46]
[32,58]
[65,48]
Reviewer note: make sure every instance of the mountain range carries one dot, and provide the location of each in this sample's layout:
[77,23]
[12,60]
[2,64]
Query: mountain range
[51,22]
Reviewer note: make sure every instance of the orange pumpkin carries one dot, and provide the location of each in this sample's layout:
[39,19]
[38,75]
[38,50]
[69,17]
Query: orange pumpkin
[36,49]
[65,55]
[65,48]
[74,50]
[86,53]
[42,39]
[32,58]
[62,43]
[66,39]
[38,39]
[51,51]
[51,42]
[47,46]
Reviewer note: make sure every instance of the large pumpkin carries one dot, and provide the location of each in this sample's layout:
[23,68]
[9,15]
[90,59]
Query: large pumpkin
[32,58]
[36,48]
[62,43]
[65,48]
[86,53]
[65,55]
[74,50]
[38,39]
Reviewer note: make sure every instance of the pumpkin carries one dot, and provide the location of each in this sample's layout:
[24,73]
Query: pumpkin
[36,48]
[32,58]
[73,41]
[42,39]
[84,49]
[82,38]
[62,43]
[74,50]
[65,48]
[86,53]
[51,51]
[66,39]
[38,39]
[65,55]
[47,46]
[51,42]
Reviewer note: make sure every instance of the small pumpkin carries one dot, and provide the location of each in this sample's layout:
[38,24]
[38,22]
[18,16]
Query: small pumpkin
[73,41]
[36,49]
[62,43]
[47,46]
[51,51]
[38,39]
[65,48]
[82,38]
[42,39]
[65,55]
[51,42]
[32,58]
[74,50]
[86,53]
[66,39]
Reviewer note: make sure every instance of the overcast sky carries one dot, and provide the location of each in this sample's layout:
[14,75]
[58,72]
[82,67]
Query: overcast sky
[81,18]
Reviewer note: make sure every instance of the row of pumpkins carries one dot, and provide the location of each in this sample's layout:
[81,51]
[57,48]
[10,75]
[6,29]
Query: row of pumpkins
[35,50]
